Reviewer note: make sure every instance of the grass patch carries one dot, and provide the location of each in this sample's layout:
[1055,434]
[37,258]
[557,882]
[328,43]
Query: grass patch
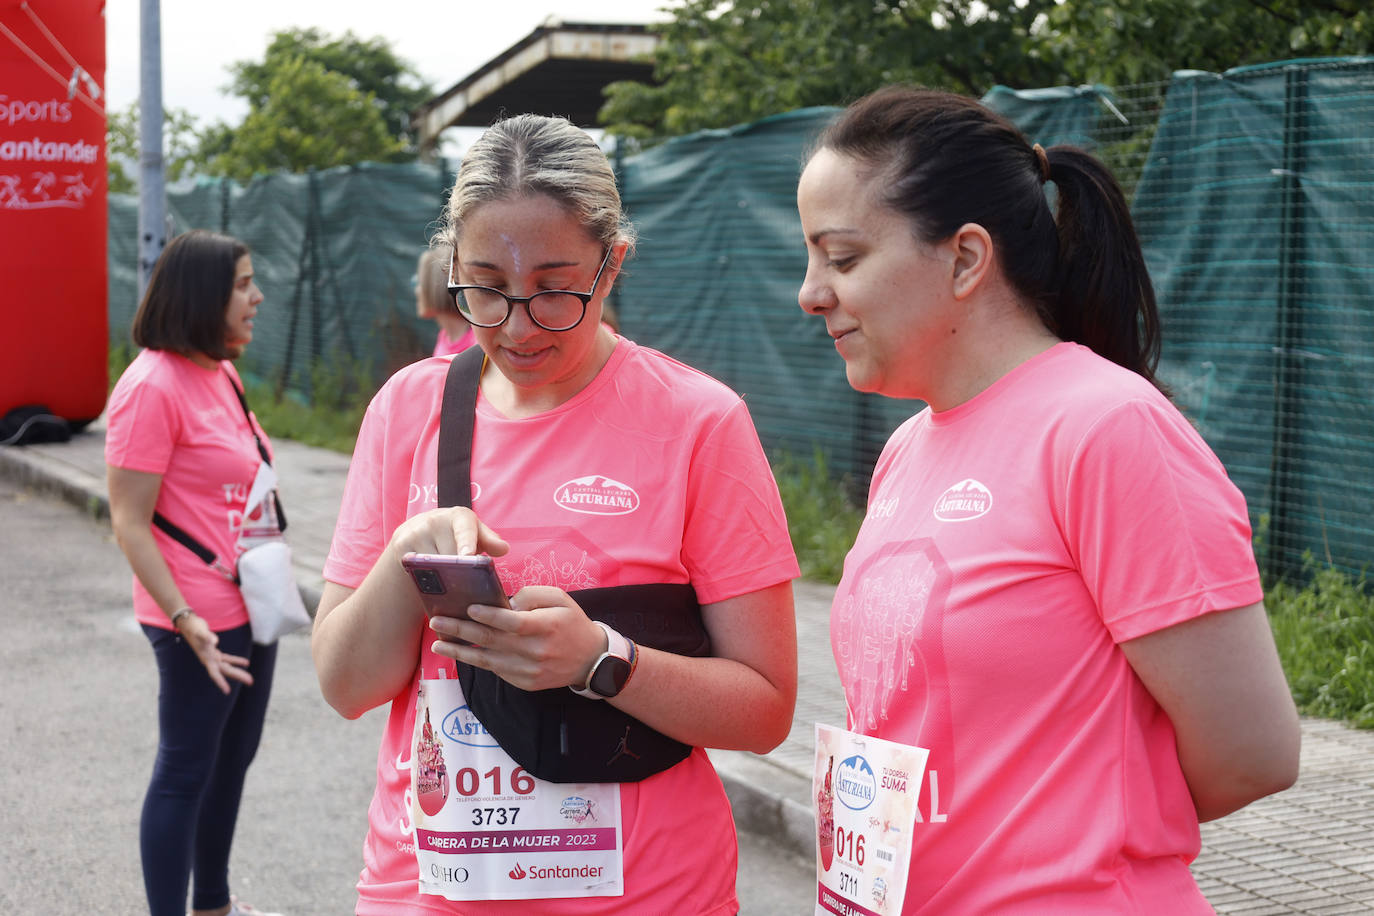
[821,517]
[333,428]
[1325,635]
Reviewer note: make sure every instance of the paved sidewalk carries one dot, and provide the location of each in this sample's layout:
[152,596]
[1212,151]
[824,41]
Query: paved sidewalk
[1307,850]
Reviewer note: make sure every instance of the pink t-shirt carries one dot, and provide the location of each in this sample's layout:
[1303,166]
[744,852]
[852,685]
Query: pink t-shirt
[1010,544]
[653,473]
[169,416]
[447,346]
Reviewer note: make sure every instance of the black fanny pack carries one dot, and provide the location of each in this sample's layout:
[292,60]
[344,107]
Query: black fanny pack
[555,734]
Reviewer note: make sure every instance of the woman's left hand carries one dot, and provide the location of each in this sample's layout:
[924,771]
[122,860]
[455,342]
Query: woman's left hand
[543,640]
[221,666]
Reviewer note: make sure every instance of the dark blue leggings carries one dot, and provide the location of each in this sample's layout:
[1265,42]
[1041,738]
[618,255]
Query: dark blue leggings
[206,740]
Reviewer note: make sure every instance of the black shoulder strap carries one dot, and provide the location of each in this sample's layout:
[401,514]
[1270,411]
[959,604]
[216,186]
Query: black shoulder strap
[184,539]
[243,402]
[456,420]
[262,449]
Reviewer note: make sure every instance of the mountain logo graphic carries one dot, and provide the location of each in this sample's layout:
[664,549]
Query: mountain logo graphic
[966,500]
[596,495]
[517,872]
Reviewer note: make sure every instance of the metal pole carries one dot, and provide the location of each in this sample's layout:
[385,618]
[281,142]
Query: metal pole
[152,205]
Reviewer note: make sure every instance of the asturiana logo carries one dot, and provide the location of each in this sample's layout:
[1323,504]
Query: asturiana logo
[462,726]
[967,499]
[855,784]
[596,495]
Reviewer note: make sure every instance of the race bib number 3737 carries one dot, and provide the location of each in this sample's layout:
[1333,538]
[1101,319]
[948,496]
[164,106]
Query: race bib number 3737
[485,829]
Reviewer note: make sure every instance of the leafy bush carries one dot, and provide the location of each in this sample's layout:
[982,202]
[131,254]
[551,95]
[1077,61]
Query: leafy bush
[1325,635]
[821,517]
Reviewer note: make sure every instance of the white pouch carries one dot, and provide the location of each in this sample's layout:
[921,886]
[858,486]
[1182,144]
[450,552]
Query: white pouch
[269,589]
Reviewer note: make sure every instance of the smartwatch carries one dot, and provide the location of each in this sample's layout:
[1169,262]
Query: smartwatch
[612,669]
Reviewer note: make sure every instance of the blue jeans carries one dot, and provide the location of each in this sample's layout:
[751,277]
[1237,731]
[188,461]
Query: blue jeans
[206,740]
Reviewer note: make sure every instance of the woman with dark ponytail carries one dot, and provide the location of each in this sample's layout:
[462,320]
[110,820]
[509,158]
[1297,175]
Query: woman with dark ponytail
[1054,591]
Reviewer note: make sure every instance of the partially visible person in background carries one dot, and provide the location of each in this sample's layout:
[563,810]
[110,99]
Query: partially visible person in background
[433,302]
[180,442]
[610,318]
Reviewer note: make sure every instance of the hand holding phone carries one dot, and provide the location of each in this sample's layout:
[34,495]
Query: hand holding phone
[448,584]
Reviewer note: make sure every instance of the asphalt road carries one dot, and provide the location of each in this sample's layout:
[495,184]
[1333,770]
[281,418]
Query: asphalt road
[78,692]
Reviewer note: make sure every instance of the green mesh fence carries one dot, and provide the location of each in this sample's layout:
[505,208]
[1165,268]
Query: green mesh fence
[1253,191]
[1256,211]
[334,253]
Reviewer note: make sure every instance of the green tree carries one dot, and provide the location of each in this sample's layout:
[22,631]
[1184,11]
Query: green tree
[723,62]
[180,140]
[726,63]
[1121,42]
[309,117]
[369,65]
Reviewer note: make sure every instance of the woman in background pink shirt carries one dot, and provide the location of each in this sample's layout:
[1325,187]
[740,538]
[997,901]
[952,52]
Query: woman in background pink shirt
[1053,591]
[178,442]
[432,301]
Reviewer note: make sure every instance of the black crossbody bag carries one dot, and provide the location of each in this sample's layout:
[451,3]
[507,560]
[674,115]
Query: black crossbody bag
[555,734]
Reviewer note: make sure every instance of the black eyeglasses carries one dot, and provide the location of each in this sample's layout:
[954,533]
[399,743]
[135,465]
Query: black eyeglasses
[551,309]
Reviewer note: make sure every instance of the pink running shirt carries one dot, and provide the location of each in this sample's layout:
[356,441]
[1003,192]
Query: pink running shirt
[1010,544]
[447,346]
[169,416]
[653,473]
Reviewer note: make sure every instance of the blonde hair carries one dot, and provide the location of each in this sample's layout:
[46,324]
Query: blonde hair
[431,278]
[531,154]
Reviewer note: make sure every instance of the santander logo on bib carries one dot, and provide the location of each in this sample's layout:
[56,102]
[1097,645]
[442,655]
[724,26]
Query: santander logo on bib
[967,499]
[596,495]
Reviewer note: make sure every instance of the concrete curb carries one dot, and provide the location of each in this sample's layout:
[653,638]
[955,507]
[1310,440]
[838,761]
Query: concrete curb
[42,473]
[768,800]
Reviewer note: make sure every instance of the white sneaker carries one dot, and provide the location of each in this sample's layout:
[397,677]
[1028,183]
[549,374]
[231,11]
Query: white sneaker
[239,908]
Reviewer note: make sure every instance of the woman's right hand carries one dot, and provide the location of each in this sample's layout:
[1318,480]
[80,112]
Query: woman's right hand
[452,531]
[221,666]
[366,641]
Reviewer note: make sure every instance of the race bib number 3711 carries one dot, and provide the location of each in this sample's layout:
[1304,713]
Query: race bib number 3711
[865,792]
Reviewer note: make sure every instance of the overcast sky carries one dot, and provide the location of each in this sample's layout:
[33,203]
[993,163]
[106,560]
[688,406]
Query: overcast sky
[444,41]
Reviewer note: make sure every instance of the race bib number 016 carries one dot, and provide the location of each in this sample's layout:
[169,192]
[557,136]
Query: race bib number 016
[865,792]
[485,829]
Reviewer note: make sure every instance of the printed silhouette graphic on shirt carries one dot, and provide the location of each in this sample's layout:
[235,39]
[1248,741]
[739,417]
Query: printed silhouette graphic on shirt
[887,633]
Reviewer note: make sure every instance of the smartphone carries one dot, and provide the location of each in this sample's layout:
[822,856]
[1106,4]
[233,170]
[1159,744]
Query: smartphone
[448,584]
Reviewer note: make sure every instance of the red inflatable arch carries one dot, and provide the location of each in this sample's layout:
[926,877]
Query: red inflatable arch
[53,182]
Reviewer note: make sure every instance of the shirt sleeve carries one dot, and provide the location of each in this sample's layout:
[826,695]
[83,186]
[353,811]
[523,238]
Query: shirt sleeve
[1160,533]
[359,534]
[736,538]
[141,427]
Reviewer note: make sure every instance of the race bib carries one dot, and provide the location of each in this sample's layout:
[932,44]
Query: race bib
[487,830]
[260,522]
[865,792]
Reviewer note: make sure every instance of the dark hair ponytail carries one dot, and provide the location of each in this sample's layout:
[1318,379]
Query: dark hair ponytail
[1103,295]
[944,160]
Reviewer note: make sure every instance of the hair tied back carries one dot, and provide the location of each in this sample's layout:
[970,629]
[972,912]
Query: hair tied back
[1043,158]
